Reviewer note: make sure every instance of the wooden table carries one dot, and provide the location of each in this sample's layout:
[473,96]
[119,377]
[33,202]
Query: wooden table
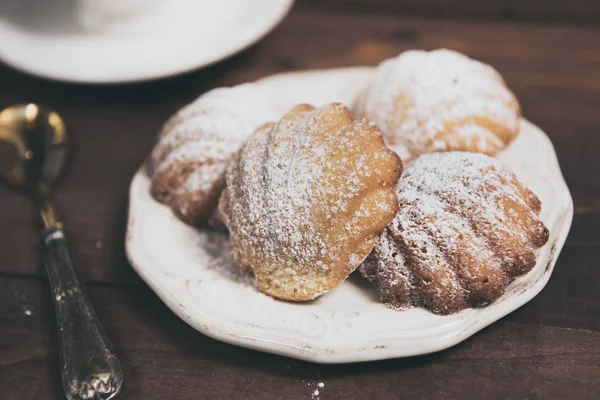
[550,348]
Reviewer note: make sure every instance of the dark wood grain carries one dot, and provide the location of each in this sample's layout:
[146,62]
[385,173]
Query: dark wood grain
[550,348]
[518,357]
[563,11]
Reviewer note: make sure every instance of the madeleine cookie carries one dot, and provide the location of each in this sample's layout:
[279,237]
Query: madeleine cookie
[187,164]
[432,101]
[305,199]
[465,229]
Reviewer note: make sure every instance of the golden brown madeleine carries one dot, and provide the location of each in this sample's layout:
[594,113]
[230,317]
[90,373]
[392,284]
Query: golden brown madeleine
[187,164]
[306,198]
[465,229]
[430,101]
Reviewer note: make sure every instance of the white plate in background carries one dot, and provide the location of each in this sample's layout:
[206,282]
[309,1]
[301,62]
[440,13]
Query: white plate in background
[190,270]
[46,38]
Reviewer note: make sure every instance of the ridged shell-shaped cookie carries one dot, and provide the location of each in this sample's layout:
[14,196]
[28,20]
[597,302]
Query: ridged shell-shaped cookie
[306,198]
[187,164]
[431,101]
[466,227]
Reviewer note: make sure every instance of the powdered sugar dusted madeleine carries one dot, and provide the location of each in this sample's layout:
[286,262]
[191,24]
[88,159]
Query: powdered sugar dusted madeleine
[306,198]
[430,101]
[187,164]
[465,229]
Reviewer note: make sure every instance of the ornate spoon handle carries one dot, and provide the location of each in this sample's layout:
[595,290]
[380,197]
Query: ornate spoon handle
[89,367]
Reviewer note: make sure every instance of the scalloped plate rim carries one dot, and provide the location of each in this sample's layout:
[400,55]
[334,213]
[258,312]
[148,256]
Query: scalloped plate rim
[257,338]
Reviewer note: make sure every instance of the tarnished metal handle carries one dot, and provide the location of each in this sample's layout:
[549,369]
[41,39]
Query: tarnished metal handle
[89,367]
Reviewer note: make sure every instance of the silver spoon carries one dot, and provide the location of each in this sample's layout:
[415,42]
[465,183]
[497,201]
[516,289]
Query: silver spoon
[33,150]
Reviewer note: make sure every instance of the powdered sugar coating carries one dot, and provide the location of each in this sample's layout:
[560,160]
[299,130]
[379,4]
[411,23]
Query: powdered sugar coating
[189,160]
[439,101]
[466,227]
[305,199]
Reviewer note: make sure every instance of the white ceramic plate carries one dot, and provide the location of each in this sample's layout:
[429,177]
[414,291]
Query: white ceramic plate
[47,38]
[191,271]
